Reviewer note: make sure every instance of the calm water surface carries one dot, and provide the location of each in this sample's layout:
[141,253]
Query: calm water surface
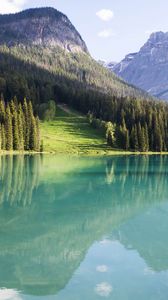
[83,228]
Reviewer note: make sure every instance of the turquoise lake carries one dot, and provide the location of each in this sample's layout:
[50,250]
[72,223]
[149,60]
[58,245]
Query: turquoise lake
[82,228]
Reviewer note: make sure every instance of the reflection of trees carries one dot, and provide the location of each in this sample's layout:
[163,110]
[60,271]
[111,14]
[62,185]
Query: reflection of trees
[141,179]
[49,238]
[18,178]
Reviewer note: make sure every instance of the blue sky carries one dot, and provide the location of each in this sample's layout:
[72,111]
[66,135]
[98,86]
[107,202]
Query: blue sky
[111,28]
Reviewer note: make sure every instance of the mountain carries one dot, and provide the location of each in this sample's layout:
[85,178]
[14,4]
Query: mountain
[148,69]
[40,26]
[42,57]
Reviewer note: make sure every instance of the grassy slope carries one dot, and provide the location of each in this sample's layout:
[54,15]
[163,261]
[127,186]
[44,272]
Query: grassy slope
[70,133]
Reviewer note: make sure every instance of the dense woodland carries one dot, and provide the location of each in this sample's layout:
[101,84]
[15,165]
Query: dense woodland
[137,125]
[136,121]
[19,128]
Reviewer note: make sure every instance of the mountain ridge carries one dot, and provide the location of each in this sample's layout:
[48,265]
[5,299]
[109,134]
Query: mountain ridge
[40,26]
[148,68]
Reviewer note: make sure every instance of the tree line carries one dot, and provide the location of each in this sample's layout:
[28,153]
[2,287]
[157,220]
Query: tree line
[136,125]
[19,127]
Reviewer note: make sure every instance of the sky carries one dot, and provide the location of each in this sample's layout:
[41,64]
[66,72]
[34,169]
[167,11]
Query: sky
[110,28]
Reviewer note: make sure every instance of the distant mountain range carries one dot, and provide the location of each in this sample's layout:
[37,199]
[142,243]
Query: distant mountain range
[148,68]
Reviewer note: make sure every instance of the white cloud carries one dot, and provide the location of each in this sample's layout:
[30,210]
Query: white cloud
[106,33]
[11,6]
[105,14]
[103,289]
[6,294]
[102,269]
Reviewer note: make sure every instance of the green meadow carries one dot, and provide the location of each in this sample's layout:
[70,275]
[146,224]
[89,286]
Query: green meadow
[70,133]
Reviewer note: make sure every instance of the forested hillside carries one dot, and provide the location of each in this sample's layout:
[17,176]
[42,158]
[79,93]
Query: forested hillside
[50,67]
[42,73]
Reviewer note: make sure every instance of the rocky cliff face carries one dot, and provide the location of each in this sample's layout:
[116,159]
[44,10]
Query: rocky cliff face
[148,69]
[45,26]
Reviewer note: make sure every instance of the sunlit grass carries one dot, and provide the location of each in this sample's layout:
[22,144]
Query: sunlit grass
[71,133]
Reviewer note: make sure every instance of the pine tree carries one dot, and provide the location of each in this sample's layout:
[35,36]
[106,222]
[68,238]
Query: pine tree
[141,138]
[12,107]
[8,129]
[2,111]
[32,128]
[146,138]
[38,134]
[125,135]
[143,145]
[33,135]
[15,131]
[158,141]
[134,139]
[26,125]
[127,141]
[3,137]
[20,127]
[136,144]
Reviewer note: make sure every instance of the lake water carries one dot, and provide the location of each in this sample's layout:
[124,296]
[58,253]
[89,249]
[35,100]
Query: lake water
[83,228]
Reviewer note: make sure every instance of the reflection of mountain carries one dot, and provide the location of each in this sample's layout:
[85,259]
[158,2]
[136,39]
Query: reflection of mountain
[147,233]
[42,244]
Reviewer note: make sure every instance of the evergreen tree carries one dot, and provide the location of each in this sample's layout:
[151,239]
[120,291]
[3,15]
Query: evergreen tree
[127,142]
[33,128]
[26,125]
[16,142]
[38,134]
[134,139]
[8,129]
[12,107]
[136,144]
[33,135]
[16,123]
[2,111]
[146,138]
[158,141]
[21,127]
[141,138]
[3,137]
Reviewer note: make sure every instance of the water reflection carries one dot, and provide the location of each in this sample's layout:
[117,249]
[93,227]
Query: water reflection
[18,178]
[51,215]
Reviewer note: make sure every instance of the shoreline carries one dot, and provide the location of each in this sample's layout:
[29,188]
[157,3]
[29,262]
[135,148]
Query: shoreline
[88,154]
